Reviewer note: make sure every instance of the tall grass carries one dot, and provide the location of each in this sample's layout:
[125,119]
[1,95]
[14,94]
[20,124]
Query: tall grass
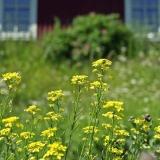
[135,81]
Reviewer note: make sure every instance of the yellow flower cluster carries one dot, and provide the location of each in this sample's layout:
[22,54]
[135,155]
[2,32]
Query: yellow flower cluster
[135,131]
[96,85]
[20,125]
[121,133]
[157,135]
[114,104]
[56,150]
[107,126]
[12,77]
[79,80]
[55,95]
[49,132]
[139,121]
[90,129]
[5,131]
[112,115]
[27,135]
[32,109]
[53,116]
[102,64]
[9,121]
[142,124]
[116,151]
[34,147]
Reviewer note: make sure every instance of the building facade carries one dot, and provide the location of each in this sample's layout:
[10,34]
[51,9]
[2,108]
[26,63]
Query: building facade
[31,18]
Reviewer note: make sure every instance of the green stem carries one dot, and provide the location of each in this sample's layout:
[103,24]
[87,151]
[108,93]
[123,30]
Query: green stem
[97,111]
[111,137]
[75,118]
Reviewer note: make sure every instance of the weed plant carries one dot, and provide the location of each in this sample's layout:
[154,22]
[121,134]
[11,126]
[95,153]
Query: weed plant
[104,136]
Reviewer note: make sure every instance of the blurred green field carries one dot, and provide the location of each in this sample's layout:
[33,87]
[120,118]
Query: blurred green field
[135,81]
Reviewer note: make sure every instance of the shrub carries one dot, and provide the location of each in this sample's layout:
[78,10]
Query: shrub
[57,43]
[89,36]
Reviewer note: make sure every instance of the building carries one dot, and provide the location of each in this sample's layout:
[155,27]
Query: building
[31,18]
[18,19]
[143,15]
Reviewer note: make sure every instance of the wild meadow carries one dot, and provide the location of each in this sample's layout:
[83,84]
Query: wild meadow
[88,108]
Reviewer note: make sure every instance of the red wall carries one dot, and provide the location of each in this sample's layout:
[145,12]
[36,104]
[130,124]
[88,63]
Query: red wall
[67,9]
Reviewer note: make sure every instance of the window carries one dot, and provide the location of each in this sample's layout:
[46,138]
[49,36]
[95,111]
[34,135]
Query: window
[143,14]
[18,19]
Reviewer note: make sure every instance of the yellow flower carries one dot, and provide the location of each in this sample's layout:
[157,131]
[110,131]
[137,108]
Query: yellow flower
[12,77]
[27,135]
[50,114]
[116,151]
[35,146]
[116,104]
[107,126]
[49,132]
[139,121]
[107,138]
[108,115]
[32,109]
[19,149]
[96,139]
[20,125]
[145,127]
[10,86]
[102,64]
[56,117]
[55,149]
[32,158]
[84,139]
[90,129]
[79,79]
[96,84]
[135,131]
[9,121]
[156,136]
[118,158]
[19,141]
[5,131]
[157,129]
[94,70]
[120,140]
[1,138]
[121,132]
[61,110]
[55,95]
[46,118]
[158,151]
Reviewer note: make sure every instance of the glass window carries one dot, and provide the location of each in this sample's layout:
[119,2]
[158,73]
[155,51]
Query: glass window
[23,2]
[144,13]
[16,15]
[9,21]
[8,3]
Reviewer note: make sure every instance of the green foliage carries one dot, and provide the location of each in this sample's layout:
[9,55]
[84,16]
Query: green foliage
[44,136]
[89,36]
[57,43]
